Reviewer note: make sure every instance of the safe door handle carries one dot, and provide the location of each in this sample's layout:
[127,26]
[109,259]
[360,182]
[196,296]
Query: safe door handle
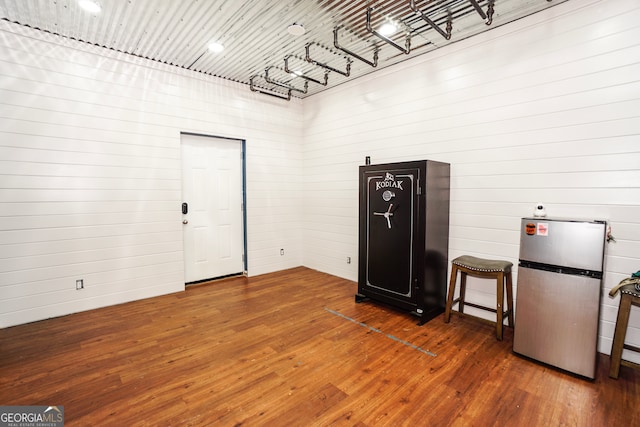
[386,214]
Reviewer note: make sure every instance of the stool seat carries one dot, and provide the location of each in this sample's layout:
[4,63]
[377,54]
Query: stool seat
[629,296]
[630,290]
[485,268]
[481,264]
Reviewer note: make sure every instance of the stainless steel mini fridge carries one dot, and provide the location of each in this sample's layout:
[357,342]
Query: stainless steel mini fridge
[558,292]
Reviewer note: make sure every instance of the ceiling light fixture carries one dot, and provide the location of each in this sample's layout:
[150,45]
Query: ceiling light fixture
[215,47]
[296,29]
[387,29]
[90,6]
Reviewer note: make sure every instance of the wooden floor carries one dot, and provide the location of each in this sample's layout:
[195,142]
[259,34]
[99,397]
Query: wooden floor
[293,349]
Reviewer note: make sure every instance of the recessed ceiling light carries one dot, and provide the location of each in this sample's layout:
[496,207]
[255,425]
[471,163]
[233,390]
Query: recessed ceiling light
[90,6]
[215,47]
[296,29]
[387,29]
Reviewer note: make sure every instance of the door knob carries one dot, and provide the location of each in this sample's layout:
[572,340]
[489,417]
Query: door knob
[184,221]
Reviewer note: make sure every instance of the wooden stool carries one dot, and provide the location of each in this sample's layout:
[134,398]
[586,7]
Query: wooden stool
[628,296]
[485,268]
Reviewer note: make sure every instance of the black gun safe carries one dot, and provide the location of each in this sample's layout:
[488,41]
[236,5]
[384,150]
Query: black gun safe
[404,236]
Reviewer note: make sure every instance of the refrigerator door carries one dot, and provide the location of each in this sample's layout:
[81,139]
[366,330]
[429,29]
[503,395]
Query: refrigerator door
[557,319]
[573,244]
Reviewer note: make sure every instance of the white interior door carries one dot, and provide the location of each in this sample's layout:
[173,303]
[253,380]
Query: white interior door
[213,227]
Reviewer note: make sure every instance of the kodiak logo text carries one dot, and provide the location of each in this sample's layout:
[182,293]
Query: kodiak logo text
[389,182]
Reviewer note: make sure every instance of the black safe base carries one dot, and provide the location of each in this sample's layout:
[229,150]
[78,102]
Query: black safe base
[404,236]
[423,317]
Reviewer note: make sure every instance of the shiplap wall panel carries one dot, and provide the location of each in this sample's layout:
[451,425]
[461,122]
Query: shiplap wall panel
[146,275]
[83,265]
[155,97]
[138,147]
[77,245]
[28,222]
[546,109]
[90,175]
[381,125]
[66,234]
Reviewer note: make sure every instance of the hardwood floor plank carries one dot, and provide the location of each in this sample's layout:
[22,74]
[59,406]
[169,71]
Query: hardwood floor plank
[293,349]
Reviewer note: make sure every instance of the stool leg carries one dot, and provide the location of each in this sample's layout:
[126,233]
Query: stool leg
[500,302]
[452,289]
[619,336]
[463,291]
[510,299]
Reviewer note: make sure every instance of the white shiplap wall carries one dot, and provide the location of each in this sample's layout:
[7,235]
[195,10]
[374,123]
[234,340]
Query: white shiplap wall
[90,179]
[546,109]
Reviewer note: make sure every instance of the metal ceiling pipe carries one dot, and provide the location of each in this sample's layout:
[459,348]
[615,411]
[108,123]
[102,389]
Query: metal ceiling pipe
[478,9]
[490,12]
[284,85]
[274,94]
[405,49]
[373,63]
[319,64]
[447,34]
[286,69]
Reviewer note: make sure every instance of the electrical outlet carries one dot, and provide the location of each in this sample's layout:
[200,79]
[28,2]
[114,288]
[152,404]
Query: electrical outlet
[281,251]
[348,260]
[79,284]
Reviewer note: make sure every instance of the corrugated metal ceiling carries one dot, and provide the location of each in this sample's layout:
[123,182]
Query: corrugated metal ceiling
[254,33]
